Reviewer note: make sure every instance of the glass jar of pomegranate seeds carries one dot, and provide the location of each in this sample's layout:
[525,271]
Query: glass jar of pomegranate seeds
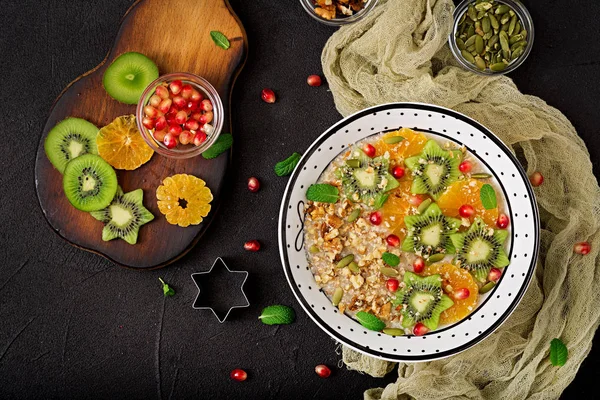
[180,115]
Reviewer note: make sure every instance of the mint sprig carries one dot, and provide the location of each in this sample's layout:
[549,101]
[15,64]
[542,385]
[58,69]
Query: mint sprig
[370,321]
[167,290]
[487,194]
[277,315]
[286,167]
[220,39]
[558,353]
[323,193]
[390,259]
[220,146]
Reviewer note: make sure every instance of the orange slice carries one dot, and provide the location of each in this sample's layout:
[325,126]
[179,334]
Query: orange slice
[455,278]
[466,191]
[412,144]
[121,144]
[184,199]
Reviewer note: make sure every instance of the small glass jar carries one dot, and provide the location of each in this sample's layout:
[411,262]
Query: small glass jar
[189,150]
[526,22]
[309,6]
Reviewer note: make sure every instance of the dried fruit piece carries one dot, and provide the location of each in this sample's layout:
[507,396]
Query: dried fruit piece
[184,199]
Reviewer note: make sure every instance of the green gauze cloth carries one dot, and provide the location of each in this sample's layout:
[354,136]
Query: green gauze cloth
[399,53]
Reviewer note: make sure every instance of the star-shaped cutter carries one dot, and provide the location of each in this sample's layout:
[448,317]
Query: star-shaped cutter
[199,303]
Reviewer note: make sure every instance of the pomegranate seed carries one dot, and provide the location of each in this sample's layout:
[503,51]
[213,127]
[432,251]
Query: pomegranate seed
[207,117]
[186,137]
[196,96]
[398,172]
[192,106]
[207,128]
[165,105]
[197,116]
[150,111]
[461,293]
[253,184]
[393,240]
[252,245]
[192,124]
[154,101]
[238,375]
[420,329]
[175,86]
[175,129]
[268,96]
[466,211]
[323,371]
[206,105]
[199,138]
[375,218]
[369,150]
[392,284]
[148,123]
[502,221]
[314,80]
[159,135]
[179,102]
[162,92]
[536,179]
[494,275]
[160,123]
[418,265]
[582,248]
[465,166]
[415,200]
[181,117]
[170,141]
[186,91]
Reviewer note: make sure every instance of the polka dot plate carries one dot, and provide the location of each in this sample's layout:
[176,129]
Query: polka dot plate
[493,308]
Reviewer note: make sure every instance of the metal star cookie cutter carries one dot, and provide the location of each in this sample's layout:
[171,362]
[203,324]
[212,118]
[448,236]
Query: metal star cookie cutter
[207,298]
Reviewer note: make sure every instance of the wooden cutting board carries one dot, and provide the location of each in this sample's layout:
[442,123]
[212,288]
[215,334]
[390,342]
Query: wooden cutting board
[176,35]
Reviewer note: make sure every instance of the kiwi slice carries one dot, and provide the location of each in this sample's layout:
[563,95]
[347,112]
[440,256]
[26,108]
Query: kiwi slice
[429,232]
[89,182]
[70,138]
[481,249]
[422,300]
[128,75]
[366,179]
[434,169]
[124,216]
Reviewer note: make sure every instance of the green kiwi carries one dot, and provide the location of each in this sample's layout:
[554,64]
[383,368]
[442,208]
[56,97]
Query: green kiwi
[481,249]
[366,179]
[89,182]
[127,77]
[429,232]
[434,169]
[422,300]
[124,216]
[70,138]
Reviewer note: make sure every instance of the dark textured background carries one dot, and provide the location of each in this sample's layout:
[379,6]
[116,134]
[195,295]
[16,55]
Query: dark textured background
[72,324]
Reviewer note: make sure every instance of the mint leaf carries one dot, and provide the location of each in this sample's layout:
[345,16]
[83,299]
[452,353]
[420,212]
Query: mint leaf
[370,321]
[220,146]
[380,201]
[558,353]
[487,194]
[167,290]
[323,192]
[390,259]
[286,167]
[220,39]
[277,315]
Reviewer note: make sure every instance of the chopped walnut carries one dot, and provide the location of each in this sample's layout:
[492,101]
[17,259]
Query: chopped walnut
[330,9]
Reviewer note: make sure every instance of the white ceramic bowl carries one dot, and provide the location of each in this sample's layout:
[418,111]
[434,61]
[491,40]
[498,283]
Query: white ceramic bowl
[493,307]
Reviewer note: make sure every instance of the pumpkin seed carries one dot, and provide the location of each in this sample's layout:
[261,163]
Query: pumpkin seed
[467,56]
[470,40]
[479,45]
[337,296]
[462,19]
[523,33]
[353,266]
[502,9]
[499,66]
[505,19]
[506,55]
[394,139]
[480,14]
[486,24]
[393,331]
[517,53]
[472,13]
[504,41]
[504,27]
[314,249]
[353,163]
[471,48]
[488,35]
[493,40]
[512,13]
[494,21]
[354,215]
[515,38]
[481,175]
[388,271]
[517,27]
[483,6]
[511,27]
[460,44]
[423,206]
[515,46]
[471,31]
[345,261]
[487,287]
[480,63]
[434,258]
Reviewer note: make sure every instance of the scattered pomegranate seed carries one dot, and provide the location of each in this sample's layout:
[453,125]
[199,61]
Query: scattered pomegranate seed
[494,275]
[181,117]
[420,329]
[418,265]
[162,92]
[502,221]
[392,284]
[160,135]
[192,106]
[466,211]
[160,123]
[375,218]
[582,248]
[536,179]
[207,128]
[170,141]
[186,91]
[164,106]
[192,124]
[253,184]
[186,137]
[206,105]
[148,122]
[393,240]
[179,102]
[196,96]
[175,86]
[252,245]
[461,293]
[314,80]
[323,371]
[398,172]
[199,138]
[369,150]
[154,101]
[415,200]
[207,117]
[197,116]
[175,130]
[238,375]
[150,112]
[465,166]
[268,96]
